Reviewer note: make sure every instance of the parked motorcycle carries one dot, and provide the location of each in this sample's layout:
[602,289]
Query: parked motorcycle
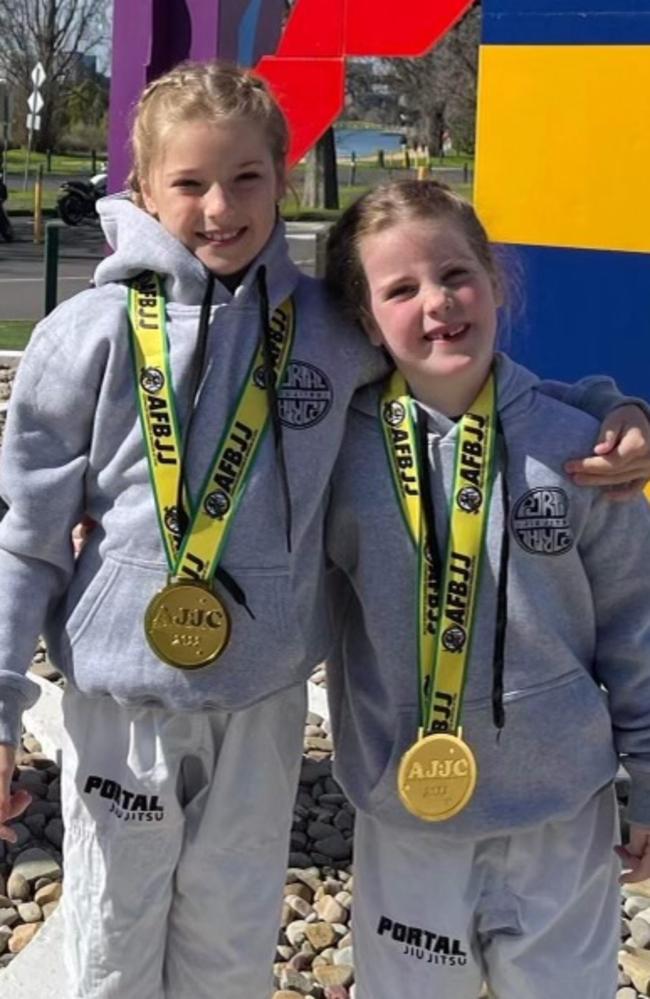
[77,198]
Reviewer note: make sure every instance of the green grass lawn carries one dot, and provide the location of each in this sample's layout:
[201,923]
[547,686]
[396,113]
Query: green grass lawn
[20,201]
[14,333]
[60,164]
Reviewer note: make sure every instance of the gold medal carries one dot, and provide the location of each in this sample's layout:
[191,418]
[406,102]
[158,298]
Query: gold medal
[186,625]
[437,777]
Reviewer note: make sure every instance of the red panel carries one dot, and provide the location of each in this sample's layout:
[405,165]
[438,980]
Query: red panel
[386,28]
[315,28]
[311,94]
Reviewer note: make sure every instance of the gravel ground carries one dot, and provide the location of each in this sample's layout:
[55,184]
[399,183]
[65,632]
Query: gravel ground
[314,954]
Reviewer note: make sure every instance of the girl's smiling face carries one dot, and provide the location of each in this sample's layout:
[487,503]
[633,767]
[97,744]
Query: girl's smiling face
[434,308]
[216,187]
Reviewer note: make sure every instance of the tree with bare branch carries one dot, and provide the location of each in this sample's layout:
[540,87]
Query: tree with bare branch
[56,33]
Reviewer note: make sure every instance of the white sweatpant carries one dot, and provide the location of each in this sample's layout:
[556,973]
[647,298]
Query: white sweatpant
[534,914]
[176,844]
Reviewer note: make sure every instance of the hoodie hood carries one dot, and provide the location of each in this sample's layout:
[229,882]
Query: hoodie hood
[140,243]
[514,383]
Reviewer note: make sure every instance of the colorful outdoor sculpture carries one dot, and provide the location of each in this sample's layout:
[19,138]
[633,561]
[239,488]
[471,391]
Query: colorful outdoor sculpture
[563,144]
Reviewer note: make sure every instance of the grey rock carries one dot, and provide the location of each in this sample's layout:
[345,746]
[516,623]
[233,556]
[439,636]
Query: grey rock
[36,863]
[332,798]
[319,830]
[30,912]
[36,824]
[640,928]
[295,981]
[5,937]
[54,790]
[334,847]
[18,887]
[634,904]
[298,905]
[54,832]
[313,770]
[295,932]
[22,832]
[299,859]
[8,917]
[344,955]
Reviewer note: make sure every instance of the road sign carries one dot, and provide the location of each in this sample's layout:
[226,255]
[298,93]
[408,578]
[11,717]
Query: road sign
[35,102]
[34,122]
[38,75]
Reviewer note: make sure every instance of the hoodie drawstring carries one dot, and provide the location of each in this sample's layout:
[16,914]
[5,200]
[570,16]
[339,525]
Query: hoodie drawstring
[272,396]
[498,655]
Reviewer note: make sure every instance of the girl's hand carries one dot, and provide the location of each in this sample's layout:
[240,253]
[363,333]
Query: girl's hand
[621,461]
[635,855]
[11,805]
[80,532]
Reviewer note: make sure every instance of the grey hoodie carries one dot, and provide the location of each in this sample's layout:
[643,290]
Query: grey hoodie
[73,445]
[578,621]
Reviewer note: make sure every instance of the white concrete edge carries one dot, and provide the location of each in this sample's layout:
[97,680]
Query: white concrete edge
[38,971]
[45,719]
[10,355]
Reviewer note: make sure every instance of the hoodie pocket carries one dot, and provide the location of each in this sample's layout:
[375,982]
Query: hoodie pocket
[91,600]
[406,733]
[264,652]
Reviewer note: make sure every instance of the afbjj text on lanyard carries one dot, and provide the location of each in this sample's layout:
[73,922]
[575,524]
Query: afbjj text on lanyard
[186,623]
[437,775]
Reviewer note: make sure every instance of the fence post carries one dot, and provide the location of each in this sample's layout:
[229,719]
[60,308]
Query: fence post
[51,264]
[353,168]
[38,205]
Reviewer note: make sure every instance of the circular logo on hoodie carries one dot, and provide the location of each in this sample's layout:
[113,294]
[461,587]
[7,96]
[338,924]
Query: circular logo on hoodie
[305,396]
[540,521]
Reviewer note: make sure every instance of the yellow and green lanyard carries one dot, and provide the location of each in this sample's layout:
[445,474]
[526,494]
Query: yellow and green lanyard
[197,555]
[446,590]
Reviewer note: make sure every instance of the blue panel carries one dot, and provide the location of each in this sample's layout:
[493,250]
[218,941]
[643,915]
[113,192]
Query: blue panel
[247,32]
[559,22]
[586,312]
[585,9]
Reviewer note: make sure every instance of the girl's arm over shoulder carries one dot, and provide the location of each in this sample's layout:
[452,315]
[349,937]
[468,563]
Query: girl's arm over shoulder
[620,461]
[615,552]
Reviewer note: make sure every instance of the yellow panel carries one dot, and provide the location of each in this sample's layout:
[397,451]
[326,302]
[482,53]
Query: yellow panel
[563,145]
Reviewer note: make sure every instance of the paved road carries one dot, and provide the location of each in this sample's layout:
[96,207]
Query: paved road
[22,289]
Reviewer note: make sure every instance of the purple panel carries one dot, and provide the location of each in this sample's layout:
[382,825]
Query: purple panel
[151,36]
[205,16]
[131,53]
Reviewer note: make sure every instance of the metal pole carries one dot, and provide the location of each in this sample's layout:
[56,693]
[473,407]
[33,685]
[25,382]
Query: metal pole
[38,205]
[51,264]
[29,150]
